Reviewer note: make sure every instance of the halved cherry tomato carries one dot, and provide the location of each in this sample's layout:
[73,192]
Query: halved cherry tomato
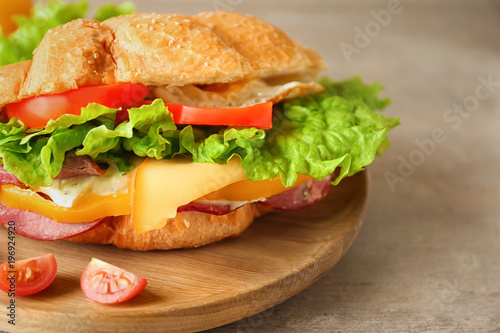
[29,276]
[108,284]
[257,115]
[35,112]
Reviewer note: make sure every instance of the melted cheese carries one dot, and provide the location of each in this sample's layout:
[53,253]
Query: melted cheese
[161,186]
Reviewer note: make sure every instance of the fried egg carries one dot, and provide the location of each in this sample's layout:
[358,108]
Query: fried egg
[237,94]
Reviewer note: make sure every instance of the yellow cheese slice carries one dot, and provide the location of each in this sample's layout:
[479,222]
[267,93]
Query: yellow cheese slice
[247,190]
[161,186]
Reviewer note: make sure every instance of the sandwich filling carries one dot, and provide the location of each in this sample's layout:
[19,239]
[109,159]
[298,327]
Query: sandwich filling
[311,137]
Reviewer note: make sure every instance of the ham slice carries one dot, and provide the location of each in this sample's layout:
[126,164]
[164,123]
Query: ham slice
[73,166]
[79,166]
[302,196]
[206,207]
[8,178]
[35,226]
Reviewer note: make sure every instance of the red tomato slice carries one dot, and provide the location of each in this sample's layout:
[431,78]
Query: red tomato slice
[29,276]
[108,284]
[35,112]
[257,115]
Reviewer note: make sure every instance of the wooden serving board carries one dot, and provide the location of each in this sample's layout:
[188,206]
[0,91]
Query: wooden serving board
[196,289]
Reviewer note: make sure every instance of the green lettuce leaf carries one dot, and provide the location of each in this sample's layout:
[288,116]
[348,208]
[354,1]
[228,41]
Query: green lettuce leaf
[20,45]
[311,135]
[36,157]
[315,134]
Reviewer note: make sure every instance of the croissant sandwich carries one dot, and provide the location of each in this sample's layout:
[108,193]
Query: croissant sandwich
[163,131]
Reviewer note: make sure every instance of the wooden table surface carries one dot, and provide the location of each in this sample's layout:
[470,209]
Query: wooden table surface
[428,256]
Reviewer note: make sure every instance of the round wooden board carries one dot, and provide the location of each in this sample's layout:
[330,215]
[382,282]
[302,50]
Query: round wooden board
[196,289]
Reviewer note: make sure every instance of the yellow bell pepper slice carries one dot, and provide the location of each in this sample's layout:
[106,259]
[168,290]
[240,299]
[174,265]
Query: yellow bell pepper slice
[87,208]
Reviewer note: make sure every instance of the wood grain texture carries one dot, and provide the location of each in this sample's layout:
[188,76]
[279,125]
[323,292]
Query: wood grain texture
[190,290]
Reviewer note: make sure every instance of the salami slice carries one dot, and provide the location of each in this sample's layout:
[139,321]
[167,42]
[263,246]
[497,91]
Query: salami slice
[35,226]
[8,178]
[302,196]
[73,166]
[208,208]
[79,166]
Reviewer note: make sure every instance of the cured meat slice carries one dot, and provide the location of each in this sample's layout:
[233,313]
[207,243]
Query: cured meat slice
[301,196]
[35,226]
[79,166]
[8,178]
[207,207]
[73,166]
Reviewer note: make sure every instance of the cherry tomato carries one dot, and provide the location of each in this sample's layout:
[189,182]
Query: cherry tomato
[29,276]
[35,112]
[257,115]
[108,284]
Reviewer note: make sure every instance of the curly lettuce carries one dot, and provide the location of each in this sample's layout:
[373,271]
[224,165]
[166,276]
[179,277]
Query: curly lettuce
[311,135]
